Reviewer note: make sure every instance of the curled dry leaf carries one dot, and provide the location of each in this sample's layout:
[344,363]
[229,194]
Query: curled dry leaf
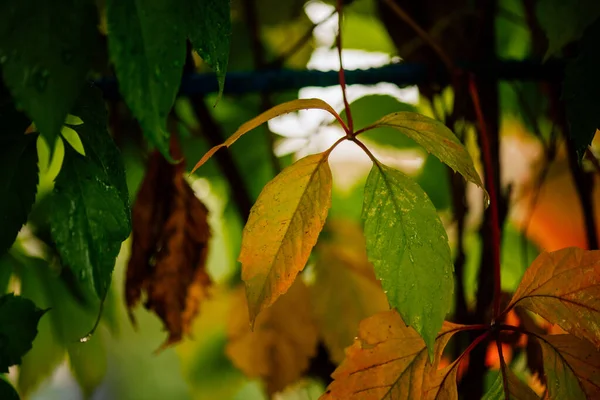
[282,343]
[564,288]
[170,246]
[389,360]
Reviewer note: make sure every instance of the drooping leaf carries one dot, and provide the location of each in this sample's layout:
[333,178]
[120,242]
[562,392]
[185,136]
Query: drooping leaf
[345,290]
[89,220]
[19,318]
[516,388]
[282,229]
[19,177]
[209,28]
[565,21]
[388,360]
[170,246]
[59,332]
[564,288]
[581,88]
[282,343]
[408,245]
[436,138]
[7,392]
[146,43]
[288,107]
[45,53]
[572,367]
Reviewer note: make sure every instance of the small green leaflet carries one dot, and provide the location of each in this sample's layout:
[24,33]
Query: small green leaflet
[209,29]
[436,138]
[564,21]
[516,389]
[7,392]
[45,53]
[146,43]
[19,318]
[408,246]
[91,215]
[19,178]
[581,89]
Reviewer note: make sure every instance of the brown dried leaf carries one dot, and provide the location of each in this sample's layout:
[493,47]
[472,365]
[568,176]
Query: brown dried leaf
[169,248]
[282,343]
[389,360]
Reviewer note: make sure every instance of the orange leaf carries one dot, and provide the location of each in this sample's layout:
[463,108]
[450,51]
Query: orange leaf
[389,360]
[345,290]
[169,247]
[282,343]
[572,367]
[288,107]
[564,288]
[282,229]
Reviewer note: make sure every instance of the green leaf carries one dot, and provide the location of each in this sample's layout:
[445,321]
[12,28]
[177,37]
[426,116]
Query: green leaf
[19,178]
[90,220]
[19,318]
[98,144]
[369,108]
[146,42]
[581,89]
[6,271]
[408,245]
[565,21]
[7,392]
[45,52]
[209,28]
[572,367]
[67,321]
[436,138]
[517,389]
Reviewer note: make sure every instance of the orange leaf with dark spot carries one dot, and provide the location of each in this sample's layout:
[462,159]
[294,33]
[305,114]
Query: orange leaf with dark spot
[282,343]
[170,246]
[389,360]
[564,288]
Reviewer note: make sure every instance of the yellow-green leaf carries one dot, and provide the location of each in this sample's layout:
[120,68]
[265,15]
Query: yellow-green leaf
[288,107]
[436,138]
[572,367]
[564,288]
[282,229]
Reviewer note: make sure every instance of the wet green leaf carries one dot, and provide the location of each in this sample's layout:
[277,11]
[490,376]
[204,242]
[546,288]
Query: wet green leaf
[45,54]
[408,246]
[146,43]
[19,318]
[209,28]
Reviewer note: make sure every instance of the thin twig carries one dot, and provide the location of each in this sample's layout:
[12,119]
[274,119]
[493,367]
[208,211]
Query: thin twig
[341,74]
[491,187]
[423,34]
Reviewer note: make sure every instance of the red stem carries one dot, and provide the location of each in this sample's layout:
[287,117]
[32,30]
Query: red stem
[341,74]
[491,187]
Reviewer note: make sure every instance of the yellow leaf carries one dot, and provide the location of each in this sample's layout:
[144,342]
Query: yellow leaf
[345,290]
[282,343]
[280,109]
[282,229]
[389,360]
